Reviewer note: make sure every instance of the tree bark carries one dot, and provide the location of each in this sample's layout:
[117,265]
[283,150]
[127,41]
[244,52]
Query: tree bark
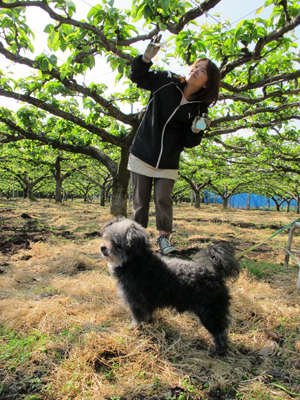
[225,203]
[197,199]
[120,187]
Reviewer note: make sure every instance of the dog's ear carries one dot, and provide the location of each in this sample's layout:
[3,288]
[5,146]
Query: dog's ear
[107,224]
[223,260]
[136,240]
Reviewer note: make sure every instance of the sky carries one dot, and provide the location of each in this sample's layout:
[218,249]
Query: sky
[233,10]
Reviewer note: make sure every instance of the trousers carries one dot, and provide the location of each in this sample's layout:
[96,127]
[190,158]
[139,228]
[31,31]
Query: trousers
[141,189]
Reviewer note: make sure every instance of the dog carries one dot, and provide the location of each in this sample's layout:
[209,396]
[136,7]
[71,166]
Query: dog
[148,281]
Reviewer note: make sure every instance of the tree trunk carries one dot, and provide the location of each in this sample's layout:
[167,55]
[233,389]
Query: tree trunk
[197,200]
[248,201]
[58,180]
[58,190]
[225,203]
[120,187]
[102,196]
[29,191]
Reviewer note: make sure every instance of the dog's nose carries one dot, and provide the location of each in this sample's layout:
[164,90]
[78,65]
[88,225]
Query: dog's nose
[103,249]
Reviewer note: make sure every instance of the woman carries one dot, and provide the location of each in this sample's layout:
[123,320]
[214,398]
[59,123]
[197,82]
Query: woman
[173,120]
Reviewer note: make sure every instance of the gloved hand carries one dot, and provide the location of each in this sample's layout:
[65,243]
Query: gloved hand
[152,49]
[201,123]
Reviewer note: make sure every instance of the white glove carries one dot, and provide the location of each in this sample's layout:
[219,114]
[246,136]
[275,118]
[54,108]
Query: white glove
[152,49]
[201,123]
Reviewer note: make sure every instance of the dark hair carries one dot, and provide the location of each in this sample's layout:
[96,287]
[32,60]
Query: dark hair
[210,93]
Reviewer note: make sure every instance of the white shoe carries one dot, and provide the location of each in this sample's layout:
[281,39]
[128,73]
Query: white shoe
[165,245]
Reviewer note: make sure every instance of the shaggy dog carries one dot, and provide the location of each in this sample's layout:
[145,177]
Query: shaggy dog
[148,281]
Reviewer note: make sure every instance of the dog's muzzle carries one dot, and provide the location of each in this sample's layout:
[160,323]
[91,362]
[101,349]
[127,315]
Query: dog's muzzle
[104,250]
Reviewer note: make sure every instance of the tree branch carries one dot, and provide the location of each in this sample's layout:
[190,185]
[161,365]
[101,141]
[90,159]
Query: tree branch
[263,82]
[275,35]
[192,14]
[251,100]
[74,86]
[103,134]
[91,151]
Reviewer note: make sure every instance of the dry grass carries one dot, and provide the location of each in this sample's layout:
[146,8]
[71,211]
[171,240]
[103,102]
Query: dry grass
[59,308]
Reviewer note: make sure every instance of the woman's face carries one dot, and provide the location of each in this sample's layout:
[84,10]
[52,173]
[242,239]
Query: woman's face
[197,75]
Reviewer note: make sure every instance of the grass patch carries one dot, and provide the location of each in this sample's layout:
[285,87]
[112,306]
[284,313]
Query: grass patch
[262,270]
[16,349]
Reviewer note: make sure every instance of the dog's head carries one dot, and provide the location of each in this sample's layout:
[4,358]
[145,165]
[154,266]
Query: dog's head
[122,240]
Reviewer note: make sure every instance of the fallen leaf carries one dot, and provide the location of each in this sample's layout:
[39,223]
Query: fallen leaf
[269,349]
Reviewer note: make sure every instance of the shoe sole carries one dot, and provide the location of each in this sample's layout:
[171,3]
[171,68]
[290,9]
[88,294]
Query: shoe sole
[169,250]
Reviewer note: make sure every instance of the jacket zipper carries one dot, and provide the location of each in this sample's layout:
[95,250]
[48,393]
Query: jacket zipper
[163,134]
[164,128]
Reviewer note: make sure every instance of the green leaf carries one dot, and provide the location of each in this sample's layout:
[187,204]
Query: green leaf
[91,61]
[95,11]
[165,5]
[147,11]
[53,59]
[53,40]
[49,28]
[239,25]
[66,29]
[259,10]
[44,65]
[7,22]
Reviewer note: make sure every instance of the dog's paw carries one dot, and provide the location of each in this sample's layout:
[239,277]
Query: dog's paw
[135,324]
[213,352]
[139,324]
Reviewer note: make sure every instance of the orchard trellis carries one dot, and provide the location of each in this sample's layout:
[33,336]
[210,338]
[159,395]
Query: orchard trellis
[259,64]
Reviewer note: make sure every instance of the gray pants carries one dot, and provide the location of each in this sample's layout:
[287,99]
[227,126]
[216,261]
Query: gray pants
[142,187]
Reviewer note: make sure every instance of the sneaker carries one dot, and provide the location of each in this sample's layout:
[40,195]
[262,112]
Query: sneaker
[165,245]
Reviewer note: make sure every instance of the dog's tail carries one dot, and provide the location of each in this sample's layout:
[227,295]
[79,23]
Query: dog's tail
[225,264]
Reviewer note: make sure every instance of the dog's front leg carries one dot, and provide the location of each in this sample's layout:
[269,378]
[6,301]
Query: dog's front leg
[139,315]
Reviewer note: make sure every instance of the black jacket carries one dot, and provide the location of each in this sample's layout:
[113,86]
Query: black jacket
[166,127]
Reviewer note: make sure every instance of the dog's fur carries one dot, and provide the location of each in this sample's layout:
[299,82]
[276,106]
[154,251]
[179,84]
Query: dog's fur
[148,281]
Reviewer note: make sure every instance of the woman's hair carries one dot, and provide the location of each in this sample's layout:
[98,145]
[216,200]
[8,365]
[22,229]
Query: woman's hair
[210,93]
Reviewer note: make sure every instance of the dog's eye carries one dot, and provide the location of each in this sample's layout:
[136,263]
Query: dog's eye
[116,245]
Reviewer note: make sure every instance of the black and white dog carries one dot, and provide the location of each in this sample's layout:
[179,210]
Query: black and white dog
[148,281]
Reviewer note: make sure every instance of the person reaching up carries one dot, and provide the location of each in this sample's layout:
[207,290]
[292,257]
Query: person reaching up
[175,118]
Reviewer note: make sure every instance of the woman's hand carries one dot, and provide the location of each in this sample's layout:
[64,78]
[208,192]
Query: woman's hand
[201,123]
[152,49]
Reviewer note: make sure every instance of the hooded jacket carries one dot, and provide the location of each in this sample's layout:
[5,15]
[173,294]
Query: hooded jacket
[166,127]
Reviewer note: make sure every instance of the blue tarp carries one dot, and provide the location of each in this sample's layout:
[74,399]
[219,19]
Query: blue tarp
[246,200]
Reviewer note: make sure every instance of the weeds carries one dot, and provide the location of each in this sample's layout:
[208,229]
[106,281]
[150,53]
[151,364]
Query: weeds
[16,350]
[262,269]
